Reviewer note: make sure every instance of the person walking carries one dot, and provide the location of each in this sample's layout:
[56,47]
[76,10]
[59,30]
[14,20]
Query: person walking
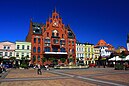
[39,70]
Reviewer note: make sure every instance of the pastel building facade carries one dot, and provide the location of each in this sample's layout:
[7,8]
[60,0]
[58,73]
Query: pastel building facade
[22,49]
[89,53]
[80,50]
[7,50]
[96,53]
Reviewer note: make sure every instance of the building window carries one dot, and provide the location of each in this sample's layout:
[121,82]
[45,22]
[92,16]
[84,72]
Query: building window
[47,40]
[62,50]
[62,42]
[88,55]
[72,42]
[38,40]
[47,49]
[22,46]
[28,47]
[34,40]
[10,53]
[27,54]
[88,49]
[34,49]
[6,53]
[4,47]
[55,33]
[34,59]
[55,49]
[38,49]
[17,54]
[55,41]
[38,58]
[72,50]
[17,46]
[8,47]
[22,55]
[47,34]
[92,55]
[47,44]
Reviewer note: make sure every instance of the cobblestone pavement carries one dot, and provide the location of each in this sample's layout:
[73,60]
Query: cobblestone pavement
[72,77]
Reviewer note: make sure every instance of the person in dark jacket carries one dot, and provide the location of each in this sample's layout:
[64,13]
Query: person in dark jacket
[39,70]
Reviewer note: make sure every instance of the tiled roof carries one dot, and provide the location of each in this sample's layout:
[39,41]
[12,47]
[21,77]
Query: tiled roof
[102,43]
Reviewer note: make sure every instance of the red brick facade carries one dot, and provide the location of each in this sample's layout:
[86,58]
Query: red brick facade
[51,40]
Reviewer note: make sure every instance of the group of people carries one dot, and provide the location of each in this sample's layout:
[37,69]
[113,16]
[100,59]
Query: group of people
[39,68]
[2,68]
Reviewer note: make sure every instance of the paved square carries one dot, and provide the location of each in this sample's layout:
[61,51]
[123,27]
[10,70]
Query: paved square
[65,77]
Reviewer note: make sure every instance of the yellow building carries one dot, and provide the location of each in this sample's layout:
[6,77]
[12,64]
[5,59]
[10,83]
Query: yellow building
[89,53]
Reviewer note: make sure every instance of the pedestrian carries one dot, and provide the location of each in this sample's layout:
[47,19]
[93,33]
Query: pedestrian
[39,70]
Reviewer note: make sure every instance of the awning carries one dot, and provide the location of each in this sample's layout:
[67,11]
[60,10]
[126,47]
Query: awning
[55,52]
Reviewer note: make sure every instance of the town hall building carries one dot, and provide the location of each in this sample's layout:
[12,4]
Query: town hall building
[51,40]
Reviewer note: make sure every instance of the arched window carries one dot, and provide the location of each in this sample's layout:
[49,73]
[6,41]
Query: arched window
[55,33]
[72,50]
[38,40]
[34,58]
[38,58]
[34,40]
[38,49]
[34,49]
[55,41]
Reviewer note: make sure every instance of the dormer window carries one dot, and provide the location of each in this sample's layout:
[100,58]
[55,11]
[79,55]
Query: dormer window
[56,16]
[37,30]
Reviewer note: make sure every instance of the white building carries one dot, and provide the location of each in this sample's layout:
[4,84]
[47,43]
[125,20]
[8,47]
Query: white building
[96,53]
[80,50]
[23,49]
[105,49]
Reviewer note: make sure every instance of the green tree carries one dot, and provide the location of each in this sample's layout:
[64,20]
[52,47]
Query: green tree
[44,60]
[70,59]
[62,60]
[13,59]
[33,59]
[24,63]
[1,59]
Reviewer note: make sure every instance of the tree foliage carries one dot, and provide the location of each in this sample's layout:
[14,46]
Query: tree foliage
[63,60]
[44,59]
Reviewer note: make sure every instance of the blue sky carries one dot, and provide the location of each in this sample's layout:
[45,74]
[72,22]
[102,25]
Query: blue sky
[91,20]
